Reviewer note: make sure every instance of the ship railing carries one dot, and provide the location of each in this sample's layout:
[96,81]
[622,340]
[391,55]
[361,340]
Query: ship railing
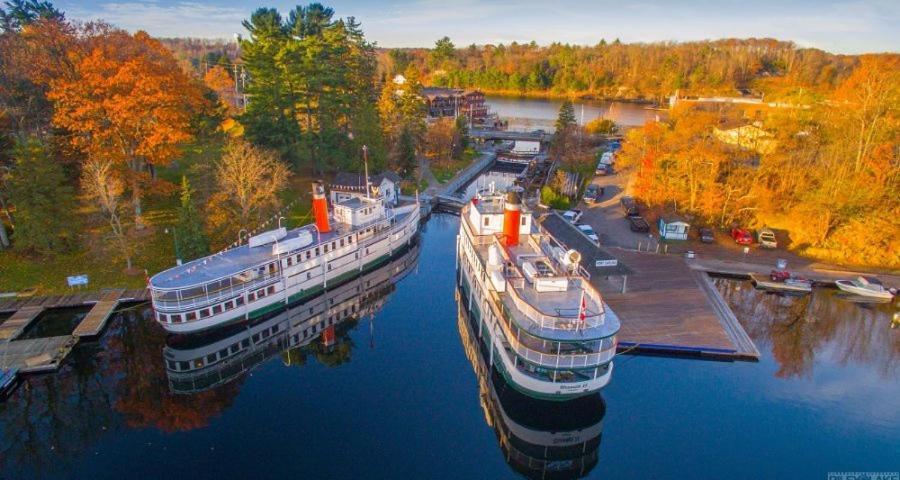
[211,298]
[557,322]
[564,360]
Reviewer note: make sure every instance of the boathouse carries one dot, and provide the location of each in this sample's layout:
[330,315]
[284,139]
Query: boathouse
[348,185]
[454,102]
[672,227]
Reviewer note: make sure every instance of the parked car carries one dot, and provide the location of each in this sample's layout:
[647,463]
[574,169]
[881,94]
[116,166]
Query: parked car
[706,235]
[742,236]
[593,193]
[573,216]
[589,232]
[603,169]
[638,224]
[766,238]
[629,206]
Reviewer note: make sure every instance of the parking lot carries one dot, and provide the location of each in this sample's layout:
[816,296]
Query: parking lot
[607,219]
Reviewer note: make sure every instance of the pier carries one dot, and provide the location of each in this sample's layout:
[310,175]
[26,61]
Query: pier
[33,355]
[448,196]
[666,307]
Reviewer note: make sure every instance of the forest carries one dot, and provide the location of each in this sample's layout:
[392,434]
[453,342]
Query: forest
[630,71]
[120,153]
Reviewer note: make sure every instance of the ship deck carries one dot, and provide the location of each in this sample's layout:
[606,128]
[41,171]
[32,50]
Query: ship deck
[236,260]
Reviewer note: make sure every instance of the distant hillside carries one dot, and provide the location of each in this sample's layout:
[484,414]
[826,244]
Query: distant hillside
[647,71]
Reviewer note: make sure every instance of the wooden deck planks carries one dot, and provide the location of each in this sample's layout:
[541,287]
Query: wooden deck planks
[16,324]
[96,318]
[668,308]
[36,354]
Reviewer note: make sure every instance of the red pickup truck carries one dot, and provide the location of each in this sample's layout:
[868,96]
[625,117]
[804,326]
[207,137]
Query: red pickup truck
[742,236]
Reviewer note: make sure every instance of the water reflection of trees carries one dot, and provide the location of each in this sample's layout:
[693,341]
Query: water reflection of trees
[798,329]
[109,386]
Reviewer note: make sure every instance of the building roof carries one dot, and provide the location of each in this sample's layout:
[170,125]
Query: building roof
[673,219]
[357,180]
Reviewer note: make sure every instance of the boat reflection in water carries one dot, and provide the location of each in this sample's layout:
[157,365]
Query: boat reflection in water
[195,363]
[539,438]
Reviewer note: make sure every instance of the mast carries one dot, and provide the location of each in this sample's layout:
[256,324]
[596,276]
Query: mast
[365,150]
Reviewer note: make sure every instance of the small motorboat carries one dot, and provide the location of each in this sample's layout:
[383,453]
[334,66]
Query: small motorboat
[782,280]
[865,286]
[8,381]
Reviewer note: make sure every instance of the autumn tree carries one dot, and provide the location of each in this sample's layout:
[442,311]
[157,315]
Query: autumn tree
[44,201]
[102,184]
[221,82]
[129,102]
[249,179]
[402,111]
[406,161]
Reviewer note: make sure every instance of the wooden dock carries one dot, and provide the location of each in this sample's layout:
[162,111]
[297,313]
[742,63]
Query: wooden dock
[32,355]
[96,318]
[19,321]
[665,306]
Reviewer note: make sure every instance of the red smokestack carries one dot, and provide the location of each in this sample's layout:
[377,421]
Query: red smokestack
[328,336]
[512,213]
[320,207]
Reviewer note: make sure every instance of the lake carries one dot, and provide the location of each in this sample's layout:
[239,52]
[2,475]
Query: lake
[525,114]
[398,390]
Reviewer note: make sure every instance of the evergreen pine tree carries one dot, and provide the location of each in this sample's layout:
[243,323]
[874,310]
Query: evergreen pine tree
[406,153]
[43,200]
[566,116]
[191,241]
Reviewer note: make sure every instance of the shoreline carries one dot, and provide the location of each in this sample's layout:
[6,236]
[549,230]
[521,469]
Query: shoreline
[548,95]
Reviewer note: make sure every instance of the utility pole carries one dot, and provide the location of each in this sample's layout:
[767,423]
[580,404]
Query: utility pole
[365,151]
[4,238]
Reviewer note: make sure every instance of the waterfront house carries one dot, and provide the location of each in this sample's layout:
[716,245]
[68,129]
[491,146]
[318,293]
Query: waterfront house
[454,102]
[348,185]
[672,227]
[747,137]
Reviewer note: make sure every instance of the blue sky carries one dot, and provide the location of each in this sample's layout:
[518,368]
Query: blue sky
[838,26]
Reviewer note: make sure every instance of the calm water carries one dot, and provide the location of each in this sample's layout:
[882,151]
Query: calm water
[535,113]
[402,393]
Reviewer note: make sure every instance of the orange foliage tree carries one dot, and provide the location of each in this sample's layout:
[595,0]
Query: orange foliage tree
[127,100]
[221,82]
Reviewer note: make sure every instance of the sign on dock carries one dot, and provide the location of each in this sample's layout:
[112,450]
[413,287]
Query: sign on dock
[77,280]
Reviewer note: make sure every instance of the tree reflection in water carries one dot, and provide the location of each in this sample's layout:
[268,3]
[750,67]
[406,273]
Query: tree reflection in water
[822,326]
[106,386]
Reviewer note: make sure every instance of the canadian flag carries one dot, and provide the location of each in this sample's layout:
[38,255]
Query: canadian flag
[582,310]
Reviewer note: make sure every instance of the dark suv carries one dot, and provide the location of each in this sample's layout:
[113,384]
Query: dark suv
[629,206]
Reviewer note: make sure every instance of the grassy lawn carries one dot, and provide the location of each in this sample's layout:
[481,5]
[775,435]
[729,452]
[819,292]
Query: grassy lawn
[445,170]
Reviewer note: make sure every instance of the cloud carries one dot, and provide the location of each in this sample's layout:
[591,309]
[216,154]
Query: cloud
[179,19]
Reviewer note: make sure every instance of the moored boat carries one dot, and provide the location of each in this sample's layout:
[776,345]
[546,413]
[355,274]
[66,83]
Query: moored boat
[281,267]
[551,335]
[865,286]
[781,281]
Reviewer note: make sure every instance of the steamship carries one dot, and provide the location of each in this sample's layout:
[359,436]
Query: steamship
[548,331]
[196,363]
[281,267]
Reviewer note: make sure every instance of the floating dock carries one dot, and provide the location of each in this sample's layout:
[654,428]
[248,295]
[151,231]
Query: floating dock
[93,323]
[666,307]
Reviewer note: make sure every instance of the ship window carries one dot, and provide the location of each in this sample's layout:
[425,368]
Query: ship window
[251,297]
[245,342]
[204,313]
[317,251]
[523,220]
[191,316]
[308,275]
[234,348]
[290,261]
[239,301]
[261,293]
[198,363]
[308,254]
[329,266]
[265,334]
[349,240]
[487,221]
[175,318]
[216,309]
[333,245]
[255,337]
[342,242]
[211,357]
[184,365]
[274,328]
[270,290]
[326,248]
[223,353]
